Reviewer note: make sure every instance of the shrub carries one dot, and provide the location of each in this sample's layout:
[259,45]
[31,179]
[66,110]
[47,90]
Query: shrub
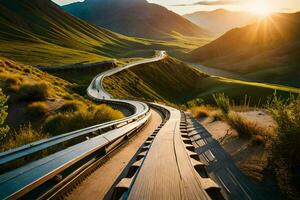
[24,136]
[70,121]
[258,140]
[33,92]
[37,110]
[222,102]
[200,111]
[217,116]
[3,114]
[72,106]
[104,113]
[11,83]
[286,146]
[195,103]
[244,127]
[286,113]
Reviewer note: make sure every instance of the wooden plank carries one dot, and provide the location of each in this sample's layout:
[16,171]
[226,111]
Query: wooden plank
[167,171]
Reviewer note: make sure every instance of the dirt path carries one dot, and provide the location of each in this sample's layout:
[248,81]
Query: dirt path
[99,183]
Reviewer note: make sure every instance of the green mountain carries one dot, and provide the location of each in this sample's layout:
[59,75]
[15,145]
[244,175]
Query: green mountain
[267,50]
[220,21]
[134,18]
[152,82]
[39,32]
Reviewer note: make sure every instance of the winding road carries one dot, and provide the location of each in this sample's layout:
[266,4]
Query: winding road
[151,154]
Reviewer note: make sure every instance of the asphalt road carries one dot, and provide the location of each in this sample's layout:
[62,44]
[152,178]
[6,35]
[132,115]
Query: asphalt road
[96,87]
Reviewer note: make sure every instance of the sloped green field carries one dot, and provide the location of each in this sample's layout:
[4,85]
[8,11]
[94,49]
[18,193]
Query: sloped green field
[38,32]
[174,82]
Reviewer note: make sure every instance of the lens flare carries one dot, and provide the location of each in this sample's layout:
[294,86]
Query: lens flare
[261,9]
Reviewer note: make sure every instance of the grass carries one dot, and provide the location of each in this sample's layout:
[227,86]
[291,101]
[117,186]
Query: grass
[3,114]
[86,76]
[37,110]
[43,100]
[272,59]
[281,144]
[246,128]
[236,89]
[34,35]
[201,111]
[31,92]
[153,82]
[286,145]
[72,106]
[222,102]
[24,136]
[84,117]
[16,77]
[163,81]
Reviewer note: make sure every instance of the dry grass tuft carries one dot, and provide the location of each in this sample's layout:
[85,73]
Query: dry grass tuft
[24,136]
[84,117]
[286,145]
[37,110]
[32,92]
[200,111]
[244,127]
[72,106]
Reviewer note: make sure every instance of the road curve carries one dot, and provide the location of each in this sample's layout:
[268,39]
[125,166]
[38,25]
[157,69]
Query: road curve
[166,165]
[167,168]
[96,90]
[33,175]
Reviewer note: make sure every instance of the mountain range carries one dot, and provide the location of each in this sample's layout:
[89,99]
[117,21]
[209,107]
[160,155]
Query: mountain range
[268,50]
[220,21]
[39,32]
[136,18]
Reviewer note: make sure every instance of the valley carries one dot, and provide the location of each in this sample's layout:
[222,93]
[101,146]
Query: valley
[137,99]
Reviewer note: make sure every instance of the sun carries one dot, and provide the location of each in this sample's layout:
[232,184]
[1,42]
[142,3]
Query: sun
[261,9]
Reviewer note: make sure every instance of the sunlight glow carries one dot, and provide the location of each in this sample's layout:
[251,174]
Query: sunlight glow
[262,9]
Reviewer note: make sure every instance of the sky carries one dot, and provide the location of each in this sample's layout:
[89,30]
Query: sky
[190,6]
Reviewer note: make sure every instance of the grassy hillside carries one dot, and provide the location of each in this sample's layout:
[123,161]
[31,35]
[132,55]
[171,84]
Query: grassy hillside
[267,50]
[41,105]
[162,81]
[39,32]
[136,18]
[174,82]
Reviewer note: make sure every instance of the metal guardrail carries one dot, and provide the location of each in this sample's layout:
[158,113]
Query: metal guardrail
[28,179]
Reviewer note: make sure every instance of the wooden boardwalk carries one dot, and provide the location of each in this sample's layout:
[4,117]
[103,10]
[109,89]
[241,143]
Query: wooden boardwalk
[167,171]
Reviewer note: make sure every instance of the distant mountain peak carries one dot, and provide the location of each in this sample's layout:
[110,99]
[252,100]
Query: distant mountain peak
[136,18]
[221,20]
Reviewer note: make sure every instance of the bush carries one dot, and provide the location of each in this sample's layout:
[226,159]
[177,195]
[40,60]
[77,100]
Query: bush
[286,113]
[217,116]
[200,111]
[37,110]
[195,103]
[286,146]
[72,106]
[70,121]
[258,140]
[24,136]
[222,102]
[11,83]
[244,127]
[3,114]
[32,92]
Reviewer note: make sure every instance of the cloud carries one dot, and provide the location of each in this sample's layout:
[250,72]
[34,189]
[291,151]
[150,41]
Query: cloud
[210,3]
